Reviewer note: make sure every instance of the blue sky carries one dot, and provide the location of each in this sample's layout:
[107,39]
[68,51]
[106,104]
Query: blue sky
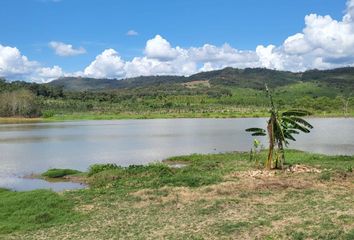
[97,25]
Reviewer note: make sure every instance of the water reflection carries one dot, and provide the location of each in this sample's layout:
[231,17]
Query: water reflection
[27,184]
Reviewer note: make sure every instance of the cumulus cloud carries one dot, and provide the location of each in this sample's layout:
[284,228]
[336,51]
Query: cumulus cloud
[64,50]
[15,66]
[45,74]
[163,59]
[160,49]
[108,64]
[323,43]
[224,56]
[132,33]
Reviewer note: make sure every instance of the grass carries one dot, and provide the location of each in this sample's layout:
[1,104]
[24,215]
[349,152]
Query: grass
[222,113]
[214,196]
[23,211]
[244,113]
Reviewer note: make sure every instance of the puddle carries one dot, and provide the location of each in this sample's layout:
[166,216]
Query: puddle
[28,184]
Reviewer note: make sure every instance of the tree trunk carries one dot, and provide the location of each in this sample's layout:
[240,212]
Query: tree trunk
[346,104]
[280,161]
[270,129]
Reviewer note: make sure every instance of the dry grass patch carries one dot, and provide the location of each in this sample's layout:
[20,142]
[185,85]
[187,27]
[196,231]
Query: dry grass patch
[196,84]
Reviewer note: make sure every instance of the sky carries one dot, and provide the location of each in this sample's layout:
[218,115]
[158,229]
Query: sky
[41,40]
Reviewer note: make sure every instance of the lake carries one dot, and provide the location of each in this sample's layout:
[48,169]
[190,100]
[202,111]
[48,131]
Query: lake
[35,147]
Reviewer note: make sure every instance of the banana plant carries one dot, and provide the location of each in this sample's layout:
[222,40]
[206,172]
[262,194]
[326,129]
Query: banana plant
[281,128]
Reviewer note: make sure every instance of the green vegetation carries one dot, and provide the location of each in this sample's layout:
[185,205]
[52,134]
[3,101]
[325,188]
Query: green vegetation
[21,102]
[255,153]
[220,196]
[58,173]
[24,211]
[223,93]
[281,128]
[96,168]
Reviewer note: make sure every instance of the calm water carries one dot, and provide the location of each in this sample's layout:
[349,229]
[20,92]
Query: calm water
[34,148]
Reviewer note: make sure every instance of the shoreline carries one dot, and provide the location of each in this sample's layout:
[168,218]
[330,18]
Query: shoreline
[207,189]
[83,117]
[178,163]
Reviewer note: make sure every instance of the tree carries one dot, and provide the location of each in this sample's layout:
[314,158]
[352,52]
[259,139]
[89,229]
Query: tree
[19,103]
[281,127]
[345,101]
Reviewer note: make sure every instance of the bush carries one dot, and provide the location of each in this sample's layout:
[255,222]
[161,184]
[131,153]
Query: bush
[325,176]
[58,173]
[21,103]
[96,168]
[48,113]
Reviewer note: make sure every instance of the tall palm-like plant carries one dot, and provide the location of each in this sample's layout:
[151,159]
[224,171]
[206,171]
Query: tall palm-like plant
[281,127]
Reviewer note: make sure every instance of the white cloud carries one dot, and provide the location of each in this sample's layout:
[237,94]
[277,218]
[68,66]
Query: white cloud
[108,64]
[46,74]
[65,50]
[15,66]
[160,49]
[220,57]
[132,33]
[163,59]
[349,16]
[144,66]
[323,43]
[296,44]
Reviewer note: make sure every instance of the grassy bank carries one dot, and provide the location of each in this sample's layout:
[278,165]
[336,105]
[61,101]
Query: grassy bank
[220,196]
[247,113]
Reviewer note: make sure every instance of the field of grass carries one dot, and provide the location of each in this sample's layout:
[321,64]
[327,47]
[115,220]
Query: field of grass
[216,196]
[232,113]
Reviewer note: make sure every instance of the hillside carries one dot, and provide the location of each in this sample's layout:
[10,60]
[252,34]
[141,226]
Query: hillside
[228,77]
[223,93]
[83,84]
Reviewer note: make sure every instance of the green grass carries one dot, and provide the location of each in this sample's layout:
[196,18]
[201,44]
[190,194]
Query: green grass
[212,197]
[343,163]
[23,211]
[245,112]
[300,89]
[58,173]
[158,175]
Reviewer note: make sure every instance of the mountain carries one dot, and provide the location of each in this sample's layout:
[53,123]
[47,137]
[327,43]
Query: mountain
[229,77]
[85,84]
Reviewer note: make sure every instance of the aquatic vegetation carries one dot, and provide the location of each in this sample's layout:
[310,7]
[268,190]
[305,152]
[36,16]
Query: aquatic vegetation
[58,173]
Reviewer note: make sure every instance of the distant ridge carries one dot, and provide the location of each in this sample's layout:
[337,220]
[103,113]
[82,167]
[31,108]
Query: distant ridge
[243,78]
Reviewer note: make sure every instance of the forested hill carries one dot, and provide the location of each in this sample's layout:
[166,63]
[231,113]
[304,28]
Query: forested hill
[223,93]
[228,77]
[84,84]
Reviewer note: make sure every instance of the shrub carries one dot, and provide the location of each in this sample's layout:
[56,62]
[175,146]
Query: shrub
[19,103]
[58,173]
[325,176]
[48,113]
[96,168]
